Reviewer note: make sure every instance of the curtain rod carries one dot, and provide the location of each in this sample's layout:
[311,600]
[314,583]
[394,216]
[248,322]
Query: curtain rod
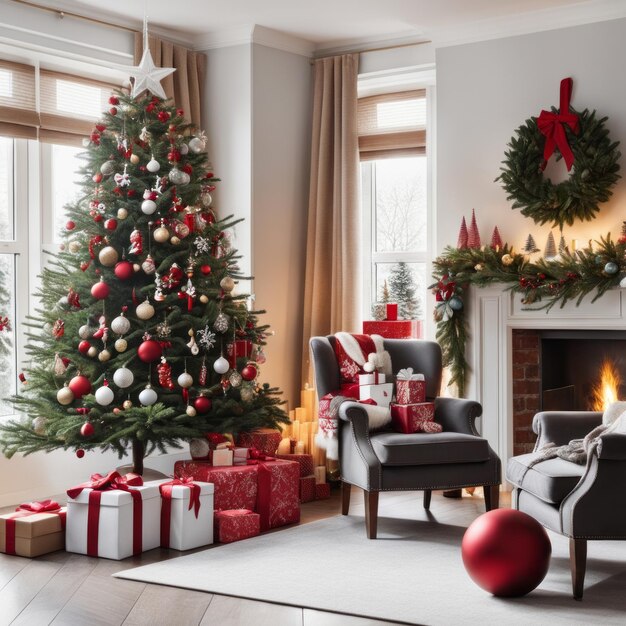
[62,14]
[379,49]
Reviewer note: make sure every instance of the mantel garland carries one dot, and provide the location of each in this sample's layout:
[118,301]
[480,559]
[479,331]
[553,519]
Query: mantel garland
[542,283]
[583,141]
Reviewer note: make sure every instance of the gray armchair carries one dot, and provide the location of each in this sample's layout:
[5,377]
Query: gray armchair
[580,502]
[390,461]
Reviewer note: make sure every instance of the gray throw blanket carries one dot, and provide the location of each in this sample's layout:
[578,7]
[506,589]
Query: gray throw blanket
[576,451]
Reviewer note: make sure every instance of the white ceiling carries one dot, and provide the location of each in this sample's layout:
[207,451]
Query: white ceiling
[333,23]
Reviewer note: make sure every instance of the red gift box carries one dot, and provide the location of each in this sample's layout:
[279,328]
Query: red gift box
[322,491]
[392,312]
[307,489]
[240,348]
[408,418]
[410,391]
[265,440]
[304,460]
[235,525]
[270,488]
[394,329]
[235,486]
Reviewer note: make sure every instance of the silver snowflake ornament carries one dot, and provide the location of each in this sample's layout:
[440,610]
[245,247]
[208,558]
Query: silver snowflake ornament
[203,245]
[206,338]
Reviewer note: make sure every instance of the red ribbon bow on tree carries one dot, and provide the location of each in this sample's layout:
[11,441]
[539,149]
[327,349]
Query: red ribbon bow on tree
[113,480]
[552,125]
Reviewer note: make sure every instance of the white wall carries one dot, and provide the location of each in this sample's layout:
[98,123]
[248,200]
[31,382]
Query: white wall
[486,90]
[281,129]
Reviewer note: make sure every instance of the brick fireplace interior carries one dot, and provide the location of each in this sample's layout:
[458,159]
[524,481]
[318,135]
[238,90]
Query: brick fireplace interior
[557,370]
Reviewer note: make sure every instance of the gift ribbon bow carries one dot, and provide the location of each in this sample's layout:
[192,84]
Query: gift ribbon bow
[99,484]
[45,506]
[552,125]
[166,504]
[407,374]
[25,510]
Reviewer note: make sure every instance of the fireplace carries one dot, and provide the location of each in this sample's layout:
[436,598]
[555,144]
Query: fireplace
[556,370]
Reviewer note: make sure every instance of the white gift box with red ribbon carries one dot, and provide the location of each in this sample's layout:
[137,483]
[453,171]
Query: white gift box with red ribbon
[375,378]
[381,394]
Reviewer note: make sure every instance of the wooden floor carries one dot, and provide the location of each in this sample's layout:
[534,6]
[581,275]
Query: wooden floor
[64,588]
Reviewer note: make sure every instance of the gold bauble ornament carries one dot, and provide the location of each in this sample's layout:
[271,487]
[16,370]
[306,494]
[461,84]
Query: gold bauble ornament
[204,299]
[478,267]
[92,352]
[127,404]
[507,259]
[161,234]
[74,246]
[108,256]
[175,241]
[122,213]
[134,159]
[121,345]
[227,284]
[65,396]
[191,411]
[104,356]
[136,267]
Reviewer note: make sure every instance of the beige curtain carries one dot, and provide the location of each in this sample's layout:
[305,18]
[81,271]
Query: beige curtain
[332,293]
[186,85]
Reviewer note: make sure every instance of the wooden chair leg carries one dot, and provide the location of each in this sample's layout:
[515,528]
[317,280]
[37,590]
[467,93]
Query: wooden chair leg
[346,488]
[578,565]
[371,513]
[492,497]
[427,494]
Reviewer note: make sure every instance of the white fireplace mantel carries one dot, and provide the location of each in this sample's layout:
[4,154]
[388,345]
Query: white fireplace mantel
[492,315]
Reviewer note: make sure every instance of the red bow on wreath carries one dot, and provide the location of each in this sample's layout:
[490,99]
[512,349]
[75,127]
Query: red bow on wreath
[552,125]
[444,290]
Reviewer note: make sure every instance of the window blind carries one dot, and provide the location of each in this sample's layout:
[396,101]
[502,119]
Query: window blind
[18,111]
[392,125]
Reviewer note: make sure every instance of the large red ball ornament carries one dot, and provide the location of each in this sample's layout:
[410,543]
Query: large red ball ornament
[124,270]
[250,372]
[100,290]
[83,347]
[205,269]
[506,552]
[70,225]
[202,404]
[80,386]
[149,351]
[110,224]
[86,430]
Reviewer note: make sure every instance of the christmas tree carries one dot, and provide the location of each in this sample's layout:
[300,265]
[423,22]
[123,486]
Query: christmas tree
[385,296]
[139,309]
[496,239]
[530,247]
[403,290]
[6,338]
[463,235]
[550,250]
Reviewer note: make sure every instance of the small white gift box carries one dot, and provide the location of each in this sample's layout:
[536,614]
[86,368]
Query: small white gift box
[381,394]
[119,525]
[374,378]
[221,457]
[182,528]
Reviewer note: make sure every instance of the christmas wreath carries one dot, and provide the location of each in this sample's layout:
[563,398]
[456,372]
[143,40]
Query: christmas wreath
[583,141]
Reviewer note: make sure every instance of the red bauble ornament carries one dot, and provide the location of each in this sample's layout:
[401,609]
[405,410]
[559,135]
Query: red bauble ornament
[124,270]
[205,269]
[114,100]
[70,225]
[250,371]
[173,155]
[113,111]
[86,430]
[80,386]
[100,290]
[83,347]
[163,116]
[149,351]
[202,404]
[506,552]
[110,224]
[80,453]
[97,177]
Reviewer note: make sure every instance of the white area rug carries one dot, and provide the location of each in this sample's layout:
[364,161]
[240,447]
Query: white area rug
[413,573]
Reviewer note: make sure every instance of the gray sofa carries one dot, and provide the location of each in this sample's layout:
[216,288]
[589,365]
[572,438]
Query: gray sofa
[390,461]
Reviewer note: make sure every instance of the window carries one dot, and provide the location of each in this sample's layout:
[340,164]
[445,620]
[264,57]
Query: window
[394,193]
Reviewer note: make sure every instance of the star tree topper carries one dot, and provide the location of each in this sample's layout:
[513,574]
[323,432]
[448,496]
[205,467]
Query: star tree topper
[147,75]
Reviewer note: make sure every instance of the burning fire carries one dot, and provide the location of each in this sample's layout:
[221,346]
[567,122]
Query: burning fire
[605,392]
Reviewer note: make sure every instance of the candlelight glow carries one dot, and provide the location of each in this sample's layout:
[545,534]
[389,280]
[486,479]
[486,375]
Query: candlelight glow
[605,391]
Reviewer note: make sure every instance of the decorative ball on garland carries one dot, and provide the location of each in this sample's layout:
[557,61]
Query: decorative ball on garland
[611,268]
[583,141]
[507,259]
[80,386]
[456,304]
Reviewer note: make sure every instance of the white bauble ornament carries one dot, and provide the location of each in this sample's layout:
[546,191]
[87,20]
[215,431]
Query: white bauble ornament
[247,394]
[39,425]
[104,356]
[148,266]
[74,246]
[85,331]
[92,352]
[134,159]
[176,176]
[145,310]
[120,325]
[196,145]
[227,284]
[184,149]
[622,283]
[235,379]
[161,234]
[63,301]
[198,448]
[191,411]
[121,345]
[122,213]
[107,168]
[148,396]
[104,395]
[206,198]
[123,377]
[184,178]
[108,256]
[127,404]
[185,380]
[65,396]
[136,267]
[221,365]
[153,165]
[148,207]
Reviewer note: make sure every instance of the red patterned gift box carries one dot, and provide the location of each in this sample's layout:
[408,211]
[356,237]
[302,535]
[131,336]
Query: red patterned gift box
[307,489]
[304,460]
[241,348]
[410,387]
[235,525]
[408,418]
[265,440]
[235,486]
[397,329]
[322,491]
